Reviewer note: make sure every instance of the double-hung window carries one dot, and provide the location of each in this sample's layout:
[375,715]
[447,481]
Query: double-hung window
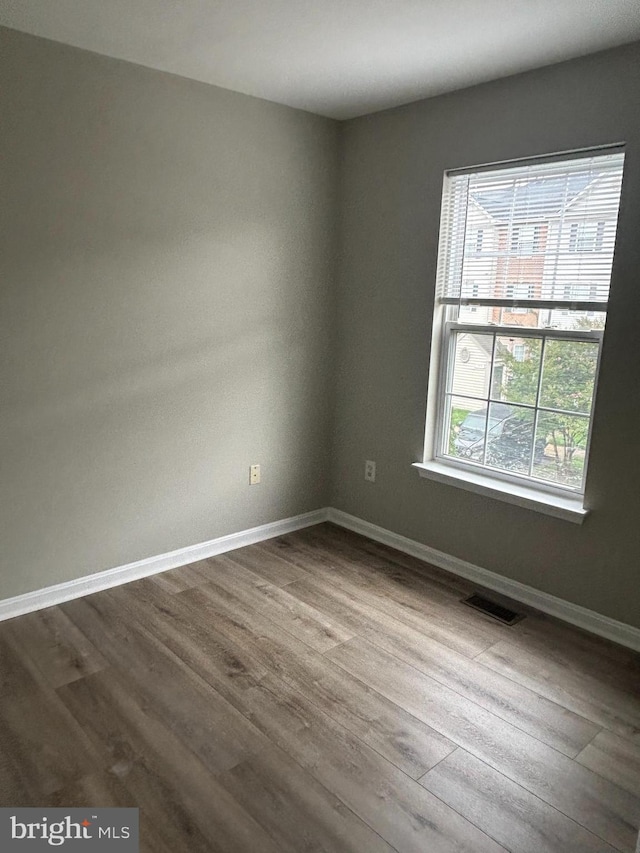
[518,327]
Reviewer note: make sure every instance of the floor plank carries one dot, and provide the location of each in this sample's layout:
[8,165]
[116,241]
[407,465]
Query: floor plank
[298,812]
[600,806]
[381,795]
[177,580]
[55,647]
[268,565]
[506,811]
[192,633]
[404,740]
[389,565]
[164,688]
[302,620]
[468,634]
[41,746]
[157,831]
[585,653]
[554,674]
[526,709]
[614,758]
[147,755]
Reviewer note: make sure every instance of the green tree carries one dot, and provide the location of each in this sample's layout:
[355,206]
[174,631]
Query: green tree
[567,380]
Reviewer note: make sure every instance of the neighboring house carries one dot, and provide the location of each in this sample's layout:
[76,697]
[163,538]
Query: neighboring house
[473,368]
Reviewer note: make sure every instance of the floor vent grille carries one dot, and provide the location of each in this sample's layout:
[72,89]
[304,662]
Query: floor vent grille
[497,611]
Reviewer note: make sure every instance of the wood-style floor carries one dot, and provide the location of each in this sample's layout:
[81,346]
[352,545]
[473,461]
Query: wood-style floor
[321,692]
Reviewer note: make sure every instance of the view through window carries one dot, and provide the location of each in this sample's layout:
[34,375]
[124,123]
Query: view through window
[522,311]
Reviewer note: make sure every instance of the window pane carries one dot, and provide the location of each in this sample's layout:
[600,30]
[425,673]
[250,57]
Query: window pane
[561,444]
[510,438]
[465,426]
[568,375]
[472,364]
[516,370]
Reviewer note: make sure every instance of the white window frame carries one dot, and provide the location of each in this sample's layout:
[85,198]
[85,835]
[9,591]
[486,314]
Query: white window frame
[551,498]
[447,363]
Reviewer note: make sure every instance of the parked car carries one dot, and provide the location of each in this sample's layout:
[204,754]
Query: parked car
[508,437]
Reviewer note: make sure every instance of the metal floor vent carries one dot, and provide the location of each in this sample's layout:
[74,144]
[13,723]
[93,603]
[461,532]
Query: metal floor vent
[497,611]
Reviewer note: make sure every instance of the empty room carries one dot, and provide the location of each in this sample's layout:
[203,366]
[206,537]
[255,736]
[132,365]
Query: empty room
[319,418]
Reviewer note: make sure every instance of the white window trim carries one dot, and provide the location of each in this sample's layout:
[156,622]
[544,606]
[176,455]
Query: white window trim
[543,498]
[517,480]
[549,499]
[534,494]
[568,508]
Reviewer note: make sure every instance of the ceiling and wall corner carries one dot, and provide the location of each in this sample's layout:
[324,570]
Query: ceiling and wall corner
[337,58]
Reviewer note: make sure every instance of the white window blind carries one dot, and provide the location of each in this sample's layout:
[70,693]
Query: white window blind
[548,222]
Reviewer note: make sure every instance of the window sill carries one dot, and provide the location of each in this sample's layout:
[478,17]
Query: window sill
[567,508]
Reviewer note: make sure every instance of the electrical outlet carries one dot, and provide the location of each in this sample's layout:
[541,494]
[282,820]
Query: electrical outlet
[370,471]
[254,475]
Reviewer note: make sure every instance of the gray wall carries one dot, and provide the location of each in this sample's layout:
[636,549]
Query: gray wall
[166,274]
[392,168]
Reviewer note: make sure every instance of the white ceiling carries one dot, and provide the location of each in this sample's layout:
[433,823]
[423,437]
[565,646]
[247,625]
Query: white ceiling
[339,58]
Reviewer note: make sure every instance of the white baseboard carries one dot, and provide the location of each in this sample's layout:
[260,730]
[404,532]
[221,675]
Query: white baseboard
[57,594]
[591,621]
